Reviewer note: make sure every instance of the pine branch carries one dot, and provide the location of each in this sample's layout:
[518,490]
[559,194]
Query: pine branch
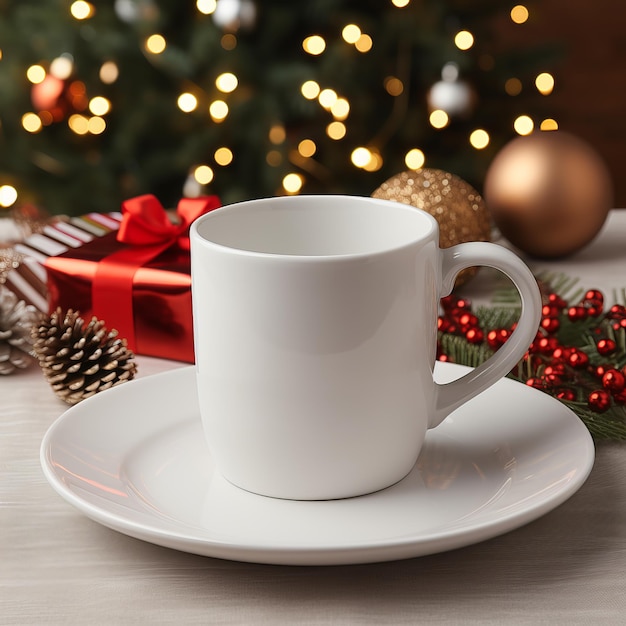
[601,426]
[565,360]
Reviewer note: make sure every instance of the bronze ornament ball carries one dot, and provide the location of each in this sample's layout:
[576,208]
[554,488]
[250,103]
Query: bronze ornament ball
[458,208]
[549,193]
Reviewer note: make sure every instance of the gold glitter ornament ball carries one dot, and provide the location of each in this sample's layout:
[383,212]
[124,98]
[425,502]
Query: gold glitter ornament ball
[458,208]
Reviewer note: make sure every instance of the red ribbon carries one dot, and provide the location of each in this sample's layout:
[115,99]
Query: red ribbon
[147,228]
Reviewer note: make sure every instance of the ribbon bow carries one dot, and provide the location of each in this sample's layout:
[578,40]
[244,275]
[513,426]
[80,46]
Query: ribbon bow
[145,222]
[147,228]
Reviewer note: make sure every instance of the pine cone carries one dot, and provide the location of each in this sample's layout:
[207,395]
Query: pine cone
[16,320]
[78,359]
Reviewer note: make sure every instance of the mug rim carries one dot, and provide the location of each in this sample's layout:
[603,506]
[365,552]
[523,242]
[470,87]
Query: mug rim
[419,238]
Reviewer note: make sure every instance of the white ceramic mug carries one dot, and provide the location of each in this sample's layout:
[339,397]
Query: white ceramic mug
[315,340]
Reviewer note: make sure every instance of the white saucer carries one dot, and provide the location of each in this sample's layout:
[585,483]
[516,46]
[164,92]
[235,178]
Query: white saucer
[134,459]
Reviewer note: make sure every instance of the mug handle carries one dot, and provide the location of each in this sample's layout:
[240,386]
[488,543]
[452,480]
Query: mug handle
[450,396]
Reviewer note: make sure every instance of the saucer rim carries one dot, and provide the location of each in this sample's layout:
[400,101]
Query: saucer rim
[180,536]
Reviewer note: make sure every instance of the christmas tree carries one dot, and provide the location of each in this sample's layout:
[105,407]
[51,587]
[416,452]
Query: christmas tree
[101,100]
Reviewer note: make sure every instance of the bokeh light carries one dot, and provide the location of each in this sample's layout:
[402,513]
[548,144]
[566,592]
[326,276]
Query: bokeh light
[523,125]
[206,7]
[31,122]
[549,124]
[218,110]
[99,105]
[155,44]
[464,40]
[544,83]
[513,86]
[81,10]
[340,109]
[414,159]
[364,43]
[336,130]
[307,148]
[315,45]
[439,119]
[187,102]
[393,86]
[8,196]
[351,33]
[479,139]
[277,134]
[327,98]
[109,72]
[310,89]
[361,156]
[519,14]
[203,174]
[226,82]
[36,74]
[292,183]
[223,156]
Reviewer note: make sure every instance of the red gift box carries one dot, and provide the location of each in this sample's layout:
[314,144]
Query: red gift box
[136,280]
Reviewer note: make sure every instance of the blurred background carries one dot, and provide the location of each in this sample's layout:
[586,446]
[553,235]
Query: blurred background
[104,100]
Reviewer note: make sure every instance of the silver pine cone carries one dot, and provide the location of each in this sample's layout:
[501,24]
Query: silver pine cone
[81,359]
[16,320]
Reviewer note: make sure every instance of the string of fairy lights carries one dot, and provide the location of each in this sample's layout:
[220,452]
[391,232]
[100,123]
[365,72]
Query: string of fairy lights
[90,116]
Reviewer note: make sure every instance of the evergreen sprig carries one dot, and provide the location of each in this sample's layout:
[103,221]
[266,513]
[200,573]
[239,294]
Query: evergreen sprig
[575,380]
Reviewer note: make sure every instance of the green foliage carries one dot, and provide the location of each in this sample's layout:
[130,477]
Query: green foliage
[150,145]
[579,334]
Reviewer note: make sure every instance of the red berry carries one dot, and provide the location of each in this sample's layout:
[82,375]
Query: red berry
[557,369]
[474,335]
[606,346]
[600,370]
[537,383]
[617,311]
[550,324]
[594,297]
[444,358]
[552,380]
[613,380]
[599,400]
[566,394]
[496,337]
[467,320]
[549,310]
[620,397]
[557,301]
[561,353]
[578,359]
[545,345]
[577,313]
